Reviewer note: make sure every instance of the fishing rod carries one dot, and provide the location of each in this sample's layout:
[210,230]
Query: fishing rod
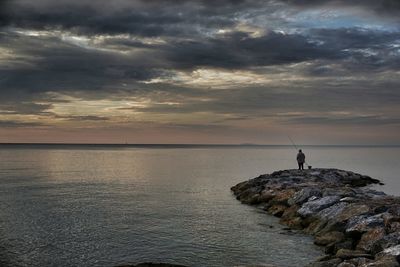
[295,147]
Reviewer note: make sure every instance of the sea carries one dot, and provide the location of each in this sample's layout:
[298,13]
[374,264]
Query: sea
[108,205]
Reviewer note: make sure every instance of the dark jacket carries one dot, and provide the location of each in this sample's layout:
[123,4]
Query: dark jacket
[301,158]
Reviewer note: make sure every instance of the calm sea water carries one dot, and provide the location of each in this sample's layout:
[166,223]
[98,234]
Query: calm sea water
[103,206]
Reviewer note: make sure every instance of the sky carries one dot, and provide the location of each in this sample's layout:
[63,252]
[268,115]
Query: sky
[200,72]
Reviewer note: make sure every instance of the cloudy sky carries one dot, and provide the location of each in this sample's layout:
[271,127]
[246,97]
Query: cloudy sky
[180,71]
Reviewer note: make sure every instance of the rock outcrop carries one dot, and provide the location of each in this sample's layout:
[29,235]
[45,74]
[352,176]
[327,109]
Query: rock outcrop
[358,226]
[151,264]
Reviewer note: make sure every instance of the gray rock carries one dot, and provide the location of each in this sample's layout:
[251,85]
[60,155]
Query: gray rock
[364,223]
[303,195]
[312,207]
[394,251]
[369,239]
[390,240]
[332,212]
[336,207]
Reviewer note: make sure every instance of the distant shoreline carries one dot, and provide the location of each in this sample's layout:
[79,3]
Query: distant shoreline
[190,145]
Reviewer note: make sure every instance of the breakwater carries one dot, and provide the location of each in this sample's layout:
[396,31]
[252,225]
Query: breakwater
[358,226]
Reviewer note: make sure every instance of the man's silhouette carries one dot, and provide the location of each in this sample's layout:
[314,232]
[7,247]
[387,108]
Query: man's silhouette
[301,158]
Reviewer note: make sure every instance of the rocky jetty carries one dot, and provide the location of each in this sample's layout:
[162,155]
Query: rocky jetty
[151,264]
[358,226]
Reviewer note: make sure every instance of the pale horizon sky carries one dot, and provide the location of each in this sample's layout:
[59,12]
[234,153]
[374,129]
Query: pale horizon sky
[200,72]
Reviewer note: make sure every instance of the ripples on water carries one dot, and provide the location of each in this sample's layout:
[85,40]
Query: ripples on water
[104,206]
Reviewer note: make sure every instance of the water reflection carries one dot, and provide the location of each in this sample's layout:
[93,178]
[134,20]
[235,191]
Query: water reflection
[100,207]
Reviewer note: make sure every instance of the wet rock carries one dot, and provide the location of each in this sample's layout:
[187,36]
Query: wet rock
[277,210]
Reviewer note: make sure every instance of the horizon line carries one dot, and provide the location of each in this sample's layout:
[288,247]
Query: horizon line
[191,144]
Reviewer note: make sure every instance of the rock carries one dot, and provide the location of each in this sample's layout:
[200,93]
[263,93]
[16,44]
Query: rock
[266,195]
[368,239]
[360,261]
[149,264]
[348,254]
[394,251]
[351,211]
[357,225]
[303,195]
[364,223]
[329,238]
[328,263]
[312,207]
[333,248]
[294,223]
[324,258]
[277,210]
[383,262]
[395,210]
[390,240]
[291,218]
[346,264]
[283,196]
[393,227]
[327,219]
[251,199]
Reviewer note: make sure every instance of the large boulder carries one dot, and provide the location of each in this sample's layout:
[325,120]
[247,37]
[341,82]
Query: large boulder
[304,194]
[371,237]
[312,207]
[364,223]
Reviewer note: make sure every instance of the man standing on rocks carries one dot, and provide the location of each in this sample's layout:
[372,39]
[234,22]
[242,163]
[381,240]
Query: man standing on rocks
[301,158]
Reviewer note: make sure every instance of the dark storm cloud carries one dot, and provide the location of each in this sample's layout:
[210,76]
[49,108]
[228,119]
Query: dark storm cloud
[154,18]
[382,7]
[143,18]
[18,124]
[4,12]
[116,60]
[82,118]
[303,96]
[60,66]
[24,108]
[345,120]
[239,50]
